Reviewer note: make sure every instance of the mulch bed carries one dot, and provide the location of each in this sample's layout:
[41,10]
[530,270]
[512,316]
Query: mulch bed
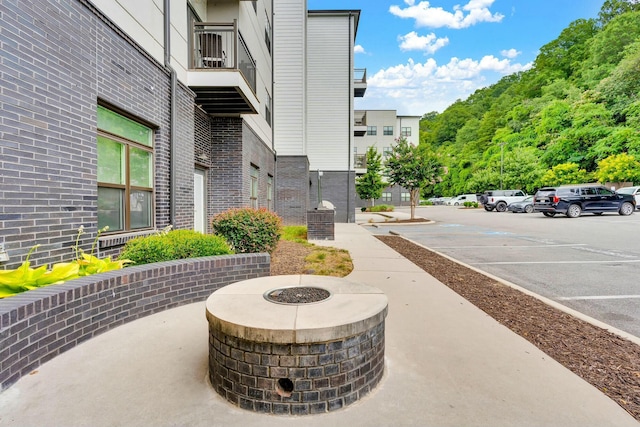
[605,360]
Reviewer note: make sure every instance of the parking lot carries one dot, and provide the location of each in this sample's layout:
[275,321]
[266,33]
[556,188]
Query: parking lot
[590,263]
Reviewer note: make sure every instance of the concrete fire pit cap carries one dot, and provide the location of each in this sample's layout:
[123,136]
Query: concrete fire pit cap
[241,310]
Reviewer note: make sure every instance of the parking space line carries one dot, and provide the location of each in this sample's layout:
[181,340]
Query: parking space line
[594,297]
[507,246]
[618,261]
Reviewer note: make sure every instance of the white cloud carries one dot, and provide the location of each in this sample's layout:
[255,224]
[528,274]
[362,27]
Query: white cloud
[358,49]
[511,53]
[436,17]
[416,88]
[429,43]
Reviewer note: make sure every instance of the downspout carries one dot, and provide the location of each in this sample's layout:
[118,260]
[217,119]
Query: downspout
[172,113]
[349,127]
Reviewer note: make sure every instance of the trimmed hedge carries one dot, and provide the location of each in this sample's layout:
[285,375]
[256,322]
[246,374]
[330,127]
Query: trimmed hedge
[249,230]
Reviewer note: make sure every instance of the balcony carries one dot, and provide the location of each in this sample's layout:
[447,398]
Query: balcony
[360,161]
[359,82]
[360,123]
[222,71]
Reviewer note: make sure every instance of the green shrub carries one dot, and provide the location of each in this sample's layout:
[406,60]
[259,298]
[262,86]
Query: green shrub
[382,208]
[248,230]
[470,204]
[176,244]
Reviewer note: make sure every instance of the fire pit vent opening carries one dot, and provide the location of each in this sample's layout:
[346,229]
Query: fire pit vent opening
[296,345]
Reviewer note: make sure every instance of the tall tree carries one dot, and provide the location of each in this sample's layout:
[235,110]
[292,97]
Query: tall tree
[370,185]
[414,167]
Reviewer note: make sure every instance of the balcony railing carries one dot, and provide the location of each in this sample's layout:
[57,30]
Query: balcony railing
[359,75]
[220,46]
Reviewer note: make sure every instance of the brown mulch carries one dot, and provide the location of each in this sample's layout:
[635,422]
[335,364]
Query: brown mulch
[605,360]
[288,258]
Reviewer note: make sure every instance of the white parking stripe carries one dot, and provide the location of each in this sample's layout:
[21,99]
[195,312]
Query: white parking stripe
[592,297]
[557,262]
[508,247]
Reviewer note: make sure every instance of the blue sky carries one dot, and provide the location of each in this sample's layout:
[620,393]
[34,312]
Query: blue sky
[422,56]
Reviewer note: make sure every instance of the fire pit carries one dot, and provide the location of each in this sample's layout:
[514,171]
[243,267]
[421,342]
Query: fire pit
[296,344]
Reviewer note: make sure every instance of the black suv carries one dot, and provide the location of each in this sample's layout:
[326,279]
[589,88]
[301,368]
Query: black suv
[572,200]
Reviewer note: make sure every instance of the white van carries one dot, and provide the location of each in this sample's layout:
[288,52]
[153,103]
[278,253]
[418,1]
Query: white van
[459,200]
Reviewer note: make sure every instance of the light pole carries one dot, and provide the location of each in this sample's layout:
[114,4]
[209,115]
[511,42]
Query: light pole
[501,162]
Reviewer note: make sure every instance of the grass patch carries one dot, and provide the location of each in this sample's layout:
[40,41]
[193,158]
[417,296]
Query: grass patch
[294,233]
[326,261]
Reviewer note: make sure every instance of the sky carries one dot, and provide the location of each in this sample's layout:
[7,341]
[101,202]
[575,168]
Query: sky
[422,56]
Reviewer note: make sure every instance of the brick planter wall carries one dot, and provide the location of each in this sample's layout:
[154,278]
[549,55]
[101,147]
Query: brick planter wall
[38,325]
[321,224]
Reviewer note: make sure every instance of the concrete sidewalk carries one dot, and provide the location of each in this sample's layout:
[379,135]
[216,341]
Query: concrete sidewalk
[447,364]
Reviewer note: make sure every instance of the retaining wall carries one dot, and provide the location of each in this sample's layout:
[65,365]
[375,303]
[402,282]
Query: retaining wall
[38,325]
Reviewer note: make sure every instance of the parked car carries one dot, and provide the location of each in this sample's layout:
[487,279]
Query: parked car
[634,191]
[525,205]
[459,200]
[500,199]
[572,200]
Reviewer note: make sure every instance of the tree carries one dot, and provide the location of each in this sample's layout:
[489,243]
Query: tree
[412,167]
[565,173]
[618,168]
[370,185]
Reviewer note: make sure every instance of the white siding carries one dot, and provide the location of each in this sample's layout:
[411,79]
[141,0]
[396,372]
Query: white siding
[142,20]
[414,123]
[290,76]
[329,92]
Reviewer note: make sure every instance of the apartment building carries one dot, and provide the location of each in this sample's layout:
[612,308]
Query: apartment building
[315,86]
[141,114]
[381,129]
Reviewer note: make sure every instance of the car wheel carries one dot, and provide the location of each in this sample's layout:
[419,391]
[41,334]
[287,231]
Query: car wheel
[626,209]
[501,206]
[549,214]
[488,209]
[574,211]
[456,204]
[528,208]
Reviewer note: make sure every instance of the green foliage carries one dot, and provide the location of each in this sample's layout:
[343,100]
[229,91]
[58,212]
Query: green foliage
[294,233]
[412,167]
[25,278]
[470,204]
[381,208]
[175,244]
[370,185]
[618,168]
[565,173]
[249,230]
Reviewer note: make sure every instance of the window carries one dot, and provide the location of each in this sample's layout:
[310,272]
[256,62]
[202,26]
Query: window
[372,130]
[255,174]
[386,197]
[387,130]
[404,131]
[386,151]
[267,109]
[405,197]
[359,161]
[125,173]
[270,192]
[267,33]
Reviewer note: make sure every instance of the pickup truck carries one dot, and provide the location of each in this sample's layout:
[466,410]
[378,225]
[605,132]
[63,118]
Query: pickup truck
[499,199]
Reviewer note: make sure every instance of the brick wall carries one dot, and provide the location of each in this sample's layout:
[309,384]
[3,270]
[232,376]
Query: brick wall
[338,187]
[48,156]
[38,325]
[292,196]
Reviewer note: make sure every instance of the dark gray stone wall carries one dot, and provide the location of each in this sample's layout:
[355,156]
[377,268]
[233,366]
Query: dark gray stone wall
[38,325]
[396,198]
[58,59]
[293,186]
[338,188]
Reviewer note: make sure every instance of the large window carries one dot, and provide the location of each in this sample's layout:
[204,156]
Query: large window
[372,130]
[386,152]
[255,174]
[405,131]
[125,173]
[387,130]
[270,192]
[267,32]
[386,197]
[267,109]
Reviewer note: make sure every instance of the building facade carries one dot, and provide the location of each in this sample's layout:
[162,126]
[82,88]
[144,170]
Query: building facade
[138,115]
[381,129]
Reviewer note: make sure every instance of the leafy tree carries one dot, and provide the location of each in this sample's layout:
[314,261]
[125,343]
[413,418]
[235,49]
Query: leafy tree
[370,185]
[607,47]
[565,173]
[412,167]
[622,88]
[618,168]
[612,8]
[522,168]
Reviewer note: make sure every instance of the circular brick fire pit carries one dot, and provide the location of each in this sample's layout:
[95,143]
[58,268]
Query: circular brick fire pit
[296,344]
